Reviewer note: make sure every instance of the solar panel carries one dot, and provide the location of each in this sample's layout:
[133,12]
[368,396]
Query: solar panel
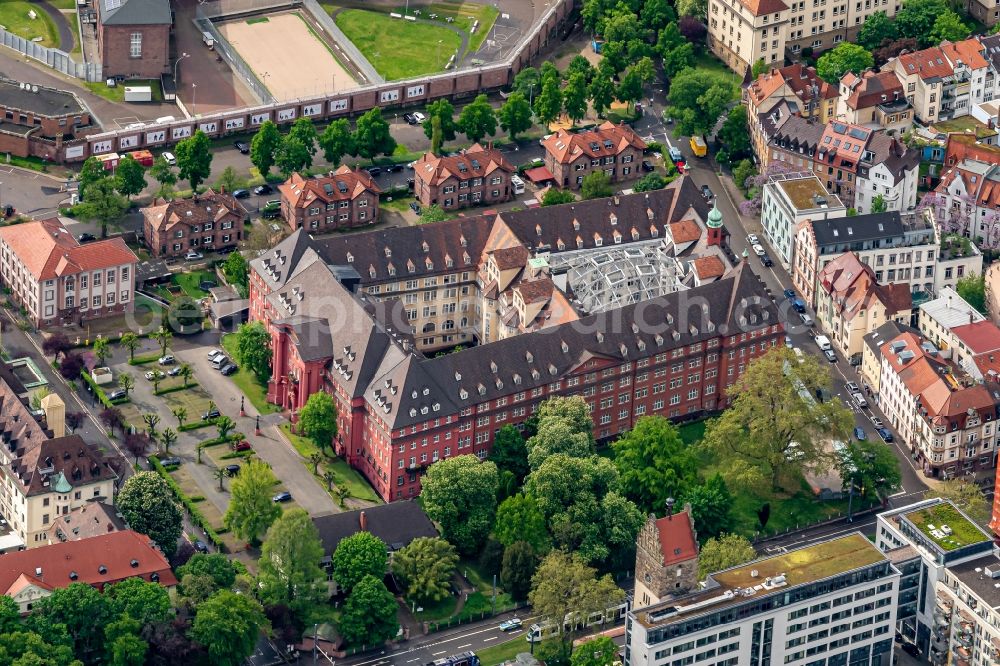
[840,128]
[859,134]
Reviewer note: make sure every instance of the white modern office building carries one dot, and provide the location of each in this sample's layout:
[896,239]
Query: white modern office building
[787,201]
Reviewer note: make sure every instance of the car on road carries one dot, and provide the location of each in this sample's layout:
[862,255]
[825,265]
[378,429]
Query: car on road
[419,116]
[200,546]
[283,496]
[510,625]
[859,434]
[806,319]
[707,192]
[767,260]
[758,250]
[166,360]
[117,394]
[170,159]
[86,238]
[790,294]
[885,435]
[393,168]
[170,462]
[752,239]
[409,118]
[232,470]
[242,445]
[799,354]
[415,207]
[798,305]
[830,355]
[194,256]
[851,387]
[374,171]
[262,189]
[174,371]
[213,413]
[911,649]
[229,369]
[877,422]
[675,154]
[647,165]
[151,374]
[242,146]
[241,194]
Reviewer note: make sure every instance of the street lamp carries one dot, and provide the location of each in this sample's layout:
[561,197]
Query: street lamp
[177,62]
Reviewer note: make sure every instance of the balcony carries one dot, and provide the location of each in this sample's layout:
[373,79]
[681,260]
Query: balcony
[962,652]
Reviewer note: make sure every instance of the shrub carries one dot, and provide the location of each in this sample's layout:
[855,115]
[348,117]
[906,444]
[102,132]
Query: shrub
[197,517]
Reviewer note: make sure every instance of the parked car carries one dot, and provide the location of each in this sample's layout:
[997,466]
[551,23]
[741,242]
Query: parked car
[877,422]
[374,171]
[758,250]
[859,434]
[194,256]
[752,239]
[174,371]
[647,165]
[170,462]
[798,305]
[154,373]
[859,400]
[212,353]
[852,387]
[806,319]
[283,496]
[790,294]
[706,192]
[200,546]
[168,359]
[241,194]
[415,207]
[170,159]
[117,394]
[242,445]
[262,189]
[242,146]
[885,435]
[766,260]
[232,470]
[213,413]
[86,238]
[511,624]
[410,120]
[229,369]
[419,116]
[830,355]
[393,168]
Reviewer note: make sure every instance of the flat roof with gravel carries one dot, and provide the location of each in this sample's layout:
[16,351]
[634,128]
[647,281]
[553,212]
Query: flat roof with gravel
[39,100]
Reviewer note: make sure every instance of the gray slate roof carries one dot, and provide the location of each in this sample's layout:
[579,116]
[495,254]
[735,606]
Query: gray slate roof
[857,228]
[47,102]
[134,12]
[396,523]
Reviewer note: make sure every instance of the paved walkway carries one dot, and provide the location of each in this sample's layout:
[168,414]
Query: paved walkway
[62,25]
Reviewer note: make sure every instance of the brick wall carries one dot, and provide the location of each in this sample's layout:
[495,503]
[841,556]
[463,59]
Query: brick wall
[114,42]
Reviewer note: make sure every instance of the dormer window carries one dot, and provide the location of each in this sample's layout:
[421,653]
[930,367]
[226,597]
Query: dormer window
[388,252]
[481,389]
[425,246]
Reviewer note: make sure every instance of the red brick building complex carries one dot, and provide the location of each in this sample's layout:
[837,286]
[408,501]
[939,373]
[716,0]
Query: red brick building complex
[474,177]
[133,37]
[59,281]
[346,198]
[614,149]
[211,221]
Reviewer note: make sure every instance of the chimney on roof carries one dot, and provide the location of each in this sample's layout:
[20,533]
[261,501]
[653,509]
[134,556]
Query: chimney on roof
[363,521]
[972,319]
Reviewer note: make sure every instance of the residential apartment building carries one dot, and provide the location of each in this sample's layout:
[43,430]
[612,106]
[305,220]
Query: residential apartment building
[741,32]
[208,222]
[946,81]
[30,576]
[967,201]
[898,249]
[46,474]
[789,200]
[58,280]
[614,149]
[850,302]
[874,100]
[943,415]
[967,613]
[871,354]
[889,171]
[786,138]
[937,317]
[915,539]
[343,199]
[795,90]
[474,177]
[400,411]
[834,602]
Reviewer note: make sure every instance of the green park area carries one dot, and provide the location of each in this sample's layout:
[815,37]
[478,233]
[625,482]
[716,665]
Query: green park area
[398,49]
[463,16]
[16,19]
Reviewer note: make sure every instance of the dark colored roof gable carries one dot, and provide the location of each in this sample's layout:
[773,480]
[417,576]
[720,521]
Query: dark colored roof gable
[396,523]
[858,228]
[135,12]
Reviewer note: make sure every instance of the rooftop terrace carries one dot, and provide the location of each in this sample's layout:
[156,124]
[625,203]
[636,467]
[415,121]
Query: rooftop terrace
[946,526]
[808,193]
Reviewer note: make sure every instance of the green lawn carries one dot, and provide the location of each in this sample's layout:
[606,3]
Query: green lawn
[347,476]
[787,511]
[14,18]
[501,652]
[963,531]
[189,282]
[707,62]
[465,14]
[692,432]
[247,382]
[398,49]
[63,4]
[117,94]
[71,17]
[964,124]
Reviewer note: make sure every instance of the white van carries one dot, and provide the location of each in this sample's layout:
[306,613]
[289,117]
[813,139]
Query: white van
[823,342]
[806,319]
[517,184]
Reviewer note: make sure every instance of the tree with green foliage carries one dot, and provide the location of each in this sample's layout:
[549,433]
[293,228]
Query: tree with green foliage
[425,568]
[528,82]
[357,556]
[229,181]
[185,315]
[164,174]
[251,511]
[130,177]
[78,608]
[21,647]
[520,519]
[676,52]
[966,496]
[769,434]
[460,494]
[759,67]
[101,350]
[575,97]
[264,146]
[564,426]
[236,268]
[601,92]
[878,204]
[846,57]
[10,615]
[228,625]
[696,8]
[434,213]
[123,645]
[194,158]
[102,204]
[916,19]
[870,468]
[949,27]
[509,452]
[654,463]
[253,347]
[162,336]
[304,131]
[318,419]
[148,506]
[599,651]
[564,584]
[697,99]
[549,102]
[580,65]
[143,601]
[372,136]
[290,572]
[168,438]
[629,88]
[437,136]
[217,569]
[972,288]
[369,615]
[292,155]
[444,111]
[596,185]
[337,141]
[478,119]
[723,552]
[515,115]
[557,197]
[650,182]
[656,15]
[711,507]
[517,568]
[91,171]
[743,172]
[877,29]
[734,137]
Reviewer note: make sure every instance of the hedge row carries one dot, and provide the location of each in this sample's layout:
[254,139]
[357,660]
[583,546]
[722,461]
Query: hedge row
[238,454]
[99,392]
[194,425]
[173,389]
[232,437]
[196,516]
[112,339]
[143,360]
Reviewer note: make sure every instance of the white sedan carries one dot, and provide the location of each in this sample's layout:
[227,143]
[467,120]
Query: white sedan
[419,116]
[752,239]
[153,373]
[758,249]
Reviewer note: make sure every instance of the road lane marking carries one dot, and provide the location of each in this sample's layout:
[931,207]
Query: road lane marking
[434,654]
[412,660]
[462,647]
[491,638]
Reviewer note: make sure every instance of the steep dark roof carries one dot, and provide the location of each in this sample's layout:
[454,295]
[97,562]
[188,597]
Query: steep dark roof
[276,265]
[135,12]
[798,135]
[858,228]
[396,523]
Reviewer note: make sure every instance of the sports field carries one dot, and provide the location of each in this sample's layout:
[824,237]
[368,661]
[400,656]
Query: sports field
[398,49]
[286,55]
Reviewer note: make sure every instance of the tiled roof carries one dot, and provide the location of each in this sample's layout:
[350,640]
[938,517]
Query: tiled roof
[533,291]
[608,139]
[341,185]
[507,258]
[853,288]
[677,539]
[708,267]
[208,207]
[48,250]
[97,561]
[803,81]
[842,145]
[969,52]
[91,519]
[685,231]
[980,337]
[475,162]
[872,88]
[927,64]
[38,467]
[396,524]
[762,7]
